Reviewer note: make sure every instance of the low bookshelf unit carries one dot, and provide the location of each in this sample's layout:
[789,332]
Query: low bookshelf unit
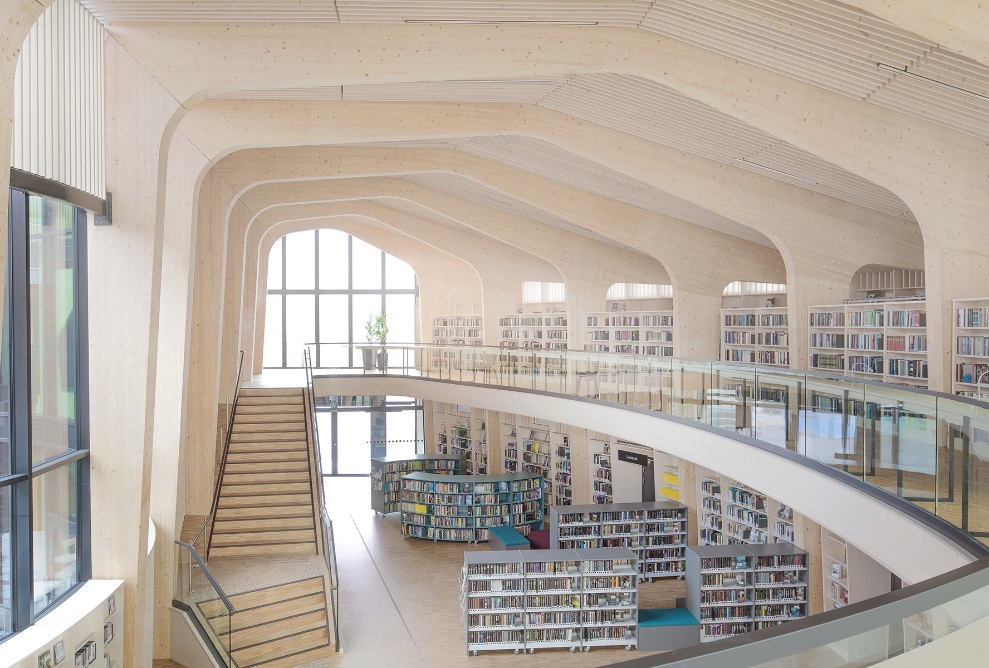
[462,507]
[567,599]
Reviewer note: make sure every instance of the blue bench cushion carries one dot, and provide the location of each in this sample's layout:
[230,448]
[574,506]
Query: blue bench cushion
[666,617]
[508,536]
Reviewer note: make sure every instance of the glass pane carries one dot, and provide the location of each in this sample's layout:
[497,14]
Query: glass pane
[273,332]
[398,274]
[401,430]
[5,450]
[336,356]
[54,526]
[354,443]
[53,328]
[6,604]
[300,326]
[364,307]
[324,423]
[300,260]
[367,266]
[333,319]
[275,266]
[401,310]
[334,270]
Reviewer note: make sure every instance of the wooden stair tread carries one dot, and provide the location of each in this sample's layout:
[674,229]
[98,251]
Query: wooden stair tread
[272,612]
[266,501]
[279,648]
[225,514]
[263,537]
[264,429]
[275,391]
[278,549]
[280,628]
[267,437]
[191,525]
[264,477]
[301,456]
[225,526]
[264,488]
[301,658]
[266,467]
[245,447]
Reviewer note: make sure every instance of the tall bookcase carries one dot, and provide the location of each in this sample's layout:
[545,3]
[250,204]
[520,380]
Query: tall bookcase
[462,507]
[730,513]
[458,330]
[755,335]
[601,483]
[735,589]
[886,341]
[462,431]
[537,331]
[541,447]
[387,472]
[655,530]
[570,599]
[970,354]
[635,332]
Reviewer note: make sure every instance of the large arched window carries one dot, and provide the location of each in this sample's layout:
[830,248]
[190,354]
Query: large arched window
[322,287]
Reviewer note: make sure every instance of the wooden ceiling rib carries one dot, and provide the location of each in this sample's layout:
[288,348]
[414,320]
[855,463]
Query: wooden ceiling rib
[241,11]
[524,91]
[627,13]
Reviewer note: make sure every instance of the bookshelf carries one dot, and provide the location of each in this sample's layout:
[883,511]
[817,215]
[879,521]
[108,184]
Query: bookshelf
[567,599]
[562,469]
[885,341]
[461,431]
[656,531]
[635,332]
[535,331]
[534,446]
[458,330]
[835,571]
[730,513]
[888,283]
[735,589]
[970,355]
[387,472]
[668,468]
[755,335]
[600,455]
[461,507]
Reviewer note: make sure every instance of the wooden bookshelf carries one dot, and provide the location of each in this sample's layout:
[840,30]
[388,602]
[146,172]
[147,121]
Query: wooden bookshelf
[888,283]
[730,513]
[566,599]
[886,341]
[601,483]
[535,446]
[462,431]
[756,336]
[534,331]
[735,589]
[387,472]
[970,354]
[634,332]
[461,507]
[458,330]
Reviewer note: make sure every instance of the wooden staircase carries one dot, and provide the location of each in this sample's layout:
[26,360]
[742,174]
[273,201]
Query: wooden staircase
[275,627]
[265,503]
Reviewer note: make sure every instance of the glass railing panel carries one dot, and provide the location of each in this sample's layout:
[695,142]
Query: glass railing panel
[900,433]
[731,399]
[963,465]
[196,588]
[776,416]
[831,433]
[692,383]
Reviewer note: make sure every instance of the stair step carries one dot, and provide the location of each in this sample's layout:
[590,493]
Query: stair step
[282,647]
[260,503]
[272,437]
[301,465]
[248,418]
[271,631]
[191,526]
[225,526]
[270,445]
[270,391]
[260,598]
[266,428]
[262,513]
[262,550]
[272,612]
[251,538]
[324,653]
[267,458]
[234,478]
[263,488]
[270,409]
[273,400]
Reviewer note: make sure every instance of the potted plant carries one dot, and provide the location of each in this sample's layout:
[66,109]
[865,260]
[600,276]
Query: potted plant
[376,330]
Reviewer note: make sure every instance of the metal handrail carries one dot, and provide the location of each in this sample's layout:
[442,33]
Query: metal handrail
[226,449]
[331,569]
[209,576]
[307,360]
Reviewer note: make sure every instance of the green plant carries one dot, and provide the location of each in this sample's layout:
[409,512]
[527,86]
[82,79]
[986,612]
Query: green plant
[376,329]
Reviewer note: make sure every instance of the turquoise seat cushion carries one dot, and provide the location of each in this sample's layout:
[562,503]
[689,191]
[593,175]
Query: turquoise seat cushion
[508,536]
[666,617]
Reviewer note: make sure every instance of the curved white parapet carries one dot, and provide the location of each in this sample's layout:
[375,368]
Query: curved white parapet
[902,544]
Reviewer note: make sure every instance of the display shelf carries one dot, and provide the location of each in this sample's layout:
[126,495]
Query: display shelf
[756,335]
[888,283]
[970,353]
[458,330]
[600,470]
[567,599]
[635,332]
[562,470]
[461,508]
[730,513]
[735,589]
[536,331]
[656,531]
[710,524]
[885,341]
[387,472]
